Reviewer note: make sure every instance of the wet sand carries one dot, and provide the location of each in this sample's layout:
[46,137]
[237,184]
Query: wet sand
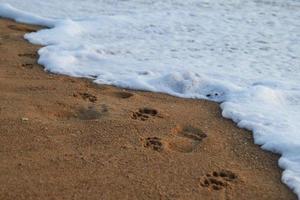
[67,138]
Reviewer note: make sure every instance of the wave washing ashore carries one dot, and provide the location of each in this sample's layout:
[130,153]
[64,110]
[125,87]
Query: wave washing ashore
[243,54]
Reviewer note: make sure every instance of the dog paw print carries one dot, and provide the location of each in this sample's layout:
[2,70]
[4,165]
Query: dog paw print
[154,143]
[86,96]
[144,114]
[218,180]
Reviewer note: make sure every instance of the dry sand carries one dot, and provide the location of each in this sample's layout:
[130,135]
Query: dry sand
[67,138]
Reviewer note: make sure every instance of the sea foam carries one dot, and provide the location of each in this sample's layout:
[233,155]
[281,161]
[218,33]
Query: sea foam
[242,54]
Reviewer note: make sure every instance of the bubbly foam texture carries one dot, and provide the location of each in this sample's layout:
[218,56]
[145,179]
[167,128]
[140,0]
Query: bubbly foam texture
[243,54]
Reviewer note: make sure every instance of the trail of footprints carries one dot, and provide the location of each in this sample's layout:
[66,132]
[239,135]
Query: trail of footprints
[22,28]
[92,98]
[218,180]
[183,139]
[93,111]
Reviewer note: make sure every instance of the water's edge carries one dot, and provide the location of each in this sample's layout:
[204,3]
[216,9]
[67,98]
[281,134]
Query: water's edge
[213,89]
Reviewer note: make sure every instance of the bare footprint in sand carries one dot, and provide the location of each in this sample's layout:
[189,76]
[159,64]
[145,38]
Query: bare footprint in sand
[185,139]
[218,180]
[92,112]
[144,114]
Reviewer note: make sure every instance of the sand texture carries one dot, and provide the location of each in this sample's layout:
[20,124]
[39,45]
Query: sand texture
[67,138]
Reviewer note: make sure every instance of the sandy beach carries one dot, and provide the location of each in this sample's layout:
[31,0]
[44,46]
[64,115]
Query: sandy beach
[67,138]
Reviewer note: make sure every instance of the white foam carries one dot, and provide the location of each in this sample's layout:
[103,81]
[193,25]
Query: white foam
[243,54]
[8,11]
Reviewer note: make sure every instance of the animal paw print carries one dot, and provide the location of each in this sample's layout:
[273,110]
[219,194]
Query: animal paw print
[218,180]
[87,97]
[28,55]
[183,140]
[154,143]
[144,114]
[27,65]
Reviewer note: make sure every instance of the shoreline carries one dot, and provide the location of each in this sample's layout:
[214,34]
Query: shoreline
[65,137]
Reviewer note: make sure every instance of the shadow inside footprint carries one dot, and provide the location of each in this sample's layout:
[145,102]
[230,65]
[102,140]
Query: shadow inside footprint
[29,55]
[218,180]
[123,95]
[27,65]
[193,133]
[148,111]
[89,97]
[144,114]
[92,113]
[186,139]
[154,143]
